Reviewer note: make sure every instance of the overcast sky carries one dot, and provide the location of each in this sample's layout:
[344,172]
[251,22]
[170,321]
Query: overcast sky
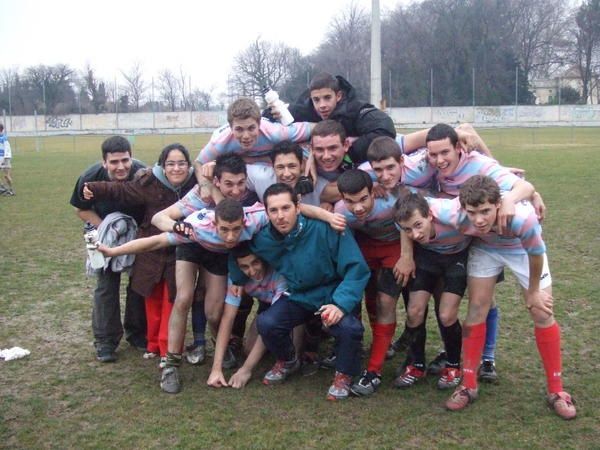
[200,36]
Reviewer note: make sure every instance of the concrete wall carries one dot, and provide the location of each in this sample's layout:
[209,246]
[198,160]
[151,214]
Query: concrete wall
[194,121]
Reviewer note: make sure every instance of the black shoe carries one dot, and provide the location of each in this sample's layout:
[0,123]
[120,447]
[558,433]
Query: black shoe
[106,355]
[487,371]
[438,364]
[310,364]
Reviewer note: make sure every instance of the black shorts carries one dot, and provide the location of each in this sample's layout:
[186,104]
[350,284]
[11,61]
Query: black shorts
[215,263]
[386,282]
[432,266]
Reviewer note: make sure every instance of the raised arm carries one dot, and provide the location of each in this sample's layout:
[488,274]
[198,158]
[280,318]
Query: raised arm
[136,246]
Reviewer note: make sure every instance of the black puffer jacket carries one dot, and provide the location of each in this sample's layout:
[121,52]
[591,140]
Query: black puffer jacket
[359,119]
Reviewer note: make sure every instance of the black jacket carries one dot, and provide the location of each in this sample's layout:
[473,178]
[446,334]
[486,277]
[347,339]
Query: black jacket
[359,119]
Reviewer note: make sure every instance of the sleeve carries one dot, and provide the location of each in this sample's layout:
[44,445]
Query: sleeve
[230,298]
[76,200]
[191,202]
[529,231]
[371,123]
[7,150]
[351,268]
[280,286]
[128,192]
[501,175]
[216,145]
[276,132]
[177,239]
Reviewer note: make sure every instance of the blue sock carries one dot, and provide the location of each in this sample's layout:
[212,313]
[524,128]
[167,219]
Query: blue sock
[198,323]
[491,334]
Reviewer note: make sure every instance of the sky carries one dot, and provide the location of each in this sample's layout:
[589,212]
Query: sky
[201,37]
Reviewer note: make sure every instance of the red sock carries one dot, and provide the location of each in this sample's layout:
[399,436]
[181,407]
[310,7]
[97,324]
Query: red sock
[382,337]
[548,344]
[472,349]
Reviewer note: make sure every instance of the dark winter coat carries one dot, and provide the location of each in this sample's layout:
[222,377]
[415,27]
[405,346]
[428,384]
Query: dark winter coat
[148,191]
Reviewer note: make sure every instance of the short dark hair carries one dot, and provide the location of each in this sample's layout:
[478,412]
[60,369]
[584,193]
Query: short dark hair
[285,148]
[440,132]
[164,154]
[324,80]
[115,144]
[241,250]
[407,204]
[279,188]
[353,181]
[383,147]
[329,127]
[479,189]
[229,162]
[229,210]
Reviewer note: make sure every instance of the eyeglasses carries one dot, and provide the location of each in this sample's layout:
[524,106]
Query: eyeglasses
[173,164]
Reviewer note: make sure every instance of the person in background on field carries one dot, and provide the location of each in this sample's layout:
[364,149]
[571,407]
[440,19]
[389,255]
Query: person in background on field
[5,163]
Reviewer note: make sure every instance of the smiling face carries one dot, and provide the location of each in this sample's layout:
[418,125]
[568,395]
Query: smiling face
[245,131]
[176,167]
[229,232]
[282,212]
[443,156]
[324,101]
[231,185]
[118,165]
[287,168]
[329,151]
[419,228]
[252,266]
[388,172]
[483,216]
[360,204]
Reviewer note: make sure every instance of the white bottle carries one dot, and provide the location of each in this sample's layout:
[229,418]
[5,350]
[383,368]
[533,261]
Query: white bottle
[272,99]
[91,244]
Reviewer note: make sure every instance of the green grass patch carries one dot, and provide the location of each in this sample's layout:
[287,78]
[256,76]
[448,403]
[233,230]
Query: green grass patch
[60,397]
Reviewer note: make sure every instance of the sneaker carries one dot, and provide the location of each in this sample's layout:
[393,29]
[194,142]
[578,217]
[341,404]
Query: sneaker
[367,385]
[149,355]
[410,376]
[487,371]
[280,371]
[310,364]
[169,380]
[563,405]
[450,378]
[401,344]
[340,388]
[402,367]
[106,355]
[438,364]
[163,362]
[460,398]
[195,354]
[229,359]
[329,361]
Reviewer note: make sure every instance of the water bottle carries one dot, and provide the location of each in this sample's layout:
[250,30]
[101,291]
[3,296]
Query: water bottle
[272,99]
[90,236]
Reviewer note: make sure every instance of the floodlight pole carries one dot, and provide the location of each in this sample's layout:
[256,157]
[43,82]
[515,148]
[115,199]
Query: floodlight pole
[375,54]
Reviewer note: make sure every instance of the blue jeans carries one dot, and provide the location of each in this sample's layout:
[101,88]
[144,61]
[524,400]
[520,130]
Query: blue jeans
[276,324]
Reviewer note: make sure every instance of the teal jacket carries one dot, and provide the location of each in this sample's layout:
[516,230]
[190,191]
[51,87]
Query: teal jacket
[321,266]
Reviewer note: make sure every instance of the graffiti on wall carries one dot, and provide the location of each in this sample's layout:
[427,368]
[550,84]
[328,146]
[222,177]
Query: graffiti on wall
[58,122]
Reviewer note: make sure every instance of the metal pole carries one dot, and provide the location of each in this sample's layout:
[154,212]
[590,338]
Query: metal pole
[473,87]
[375,54]
[44,96]
[9,104]
[431,87]
[517,85]
[390,89]
[559,99]
[152,103]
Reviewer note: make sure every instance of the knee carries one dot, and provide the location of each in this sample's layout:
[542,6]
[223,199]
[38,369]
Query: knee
[448,317]
[351,328]
[265,324]
[415,315]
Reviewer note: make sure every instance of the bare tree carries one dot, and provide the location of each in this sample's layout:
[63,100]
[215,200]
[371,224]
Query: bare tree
[184,87]
[201,100]
[586,44]
[168,88]
[135,87]
[262,64]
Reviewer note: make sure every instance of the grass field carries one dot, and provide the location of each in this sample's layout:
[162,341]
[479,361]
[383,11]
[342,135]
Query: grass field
[60,397]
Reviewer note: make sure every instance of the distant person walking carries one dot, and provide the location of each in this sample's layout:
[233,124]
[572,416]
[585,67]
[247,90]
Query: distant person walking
[5,164]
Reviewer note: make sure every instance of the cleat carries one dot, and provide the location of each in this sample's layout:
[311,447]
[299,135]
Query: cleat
[329,361]
[169,380]
[563,405]
[163,362]
[149,355]
[340,388]
[281,371]
[229,360]
[461,398]
[196,354]
[410,376]
[487,372]
[437,365]
[310,364]
[106,355]
[450,378]
[367,385]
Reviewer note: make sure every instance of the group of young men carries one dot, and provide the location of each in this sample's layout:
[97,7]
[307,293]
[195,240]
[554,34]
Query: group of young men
[356,213]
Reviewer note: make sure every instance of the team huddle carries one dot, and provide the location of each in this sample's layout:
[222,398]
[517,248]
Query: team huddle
[308,220]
